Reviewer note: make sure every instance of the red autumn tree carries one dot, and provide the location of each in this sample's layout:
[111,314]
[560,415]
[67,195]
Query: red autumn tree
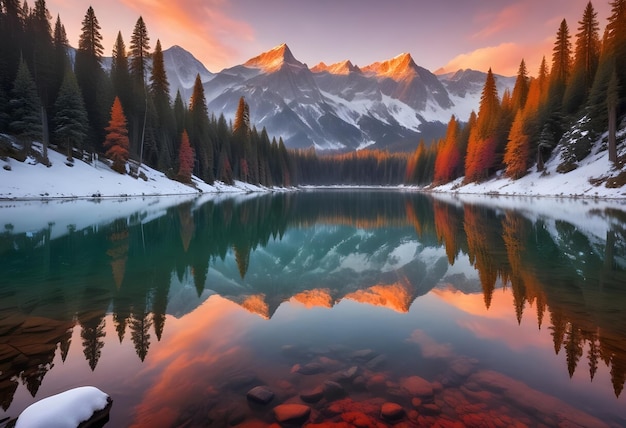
[517,151]
[448,161]
[483,141]
[116,141]
[186,159]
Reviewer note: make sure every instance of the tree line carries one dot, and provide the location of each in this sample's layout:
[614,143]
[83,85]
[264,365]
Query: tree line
[568,106]
[63,97]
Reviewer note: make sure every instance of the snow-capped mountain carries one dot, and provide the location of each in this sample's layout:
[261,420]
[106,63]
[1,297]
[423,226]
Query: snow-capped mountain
[387,105]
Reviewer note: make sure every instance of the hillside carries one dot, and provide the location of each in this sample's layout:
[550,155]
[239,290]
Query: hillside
[33,180]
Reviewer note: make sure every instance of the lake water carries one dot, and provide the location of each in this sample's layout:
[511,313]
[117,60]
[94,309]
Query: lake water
[488,312]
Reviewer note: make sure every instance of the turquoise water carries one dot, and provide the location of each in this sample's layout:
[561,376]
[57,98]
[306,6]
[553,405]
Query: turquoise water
[495,312]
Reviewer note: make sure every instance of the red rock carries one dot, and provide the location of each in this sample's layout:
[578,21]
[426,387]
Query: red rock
[417,386]
[430,409]
[358,419]
[292,413]
[416,402]
[391,411]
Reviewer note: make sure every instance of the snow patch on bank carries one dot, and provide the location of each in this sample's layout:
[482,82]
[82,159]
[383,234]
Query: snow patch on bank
[33,180]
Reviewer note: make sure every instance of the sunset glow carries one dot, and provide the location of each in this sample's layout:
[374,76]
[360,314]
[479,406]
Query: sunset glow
[443,36]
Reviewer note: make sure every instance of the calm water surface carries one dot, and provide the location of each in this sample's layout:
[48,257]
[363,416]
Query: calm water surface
[490,313]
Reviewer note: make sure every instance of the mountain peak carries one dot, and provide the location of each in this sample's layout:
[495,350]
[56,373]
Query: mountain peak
[395,68]
[274,59]
[342,68]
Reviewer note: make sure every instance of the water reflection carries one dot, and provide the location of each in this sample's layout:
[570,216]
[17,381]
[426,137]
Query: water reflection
[318,250]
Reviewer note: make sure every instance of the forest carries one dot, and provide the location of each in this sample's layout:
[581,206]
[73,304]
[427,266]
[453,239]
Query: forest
[65,99]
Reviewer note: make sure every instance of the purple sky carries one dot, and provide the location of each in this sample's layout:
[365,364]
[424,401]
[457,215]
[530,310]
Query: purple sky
[443,33]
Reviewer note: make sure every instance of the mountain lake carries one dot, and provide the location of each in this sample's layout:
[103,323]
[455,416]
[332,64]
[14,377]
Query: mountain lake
[348,307]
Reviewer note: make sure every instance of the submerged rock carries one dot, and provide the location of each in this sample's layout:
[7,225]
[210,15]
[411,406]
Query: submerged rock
[260,394]
[292,413]
[391,411]
[417,386]
[307,369]
[333,390]
[313,395]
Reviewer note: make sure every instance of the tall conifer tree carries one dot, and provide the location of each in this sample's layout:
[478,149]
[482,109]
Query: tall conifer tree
[25,108]
[70,119]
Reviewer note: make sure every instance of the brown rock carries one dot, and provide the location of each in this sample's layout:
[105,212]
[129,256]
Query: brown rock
[391,411]
[260,394]
[292,413]
[313,395]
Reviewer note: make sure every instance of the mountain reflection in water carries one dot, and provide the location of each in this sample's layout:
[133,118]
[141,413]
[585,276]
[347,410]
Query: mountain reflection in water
[152,302]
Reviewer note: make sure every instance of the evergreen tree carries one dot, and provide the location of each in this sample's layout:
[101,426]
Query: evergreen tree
[12,36]
[41,51]
[4,113]
[185,159]
[615,44]
[180,112]
[199,133]
[586,59]
[520,90]
[25,108]
[70,120]
[561,55]
[90,76]
[139,53]
[138,67]
[116,141]
[160,92]
[120,76]
[587,48]
[61,59]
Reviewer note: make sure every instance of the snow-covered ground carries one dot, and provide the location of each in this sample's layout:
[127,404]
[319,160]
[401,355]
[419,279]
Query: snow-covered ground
[575,183]
[32,180]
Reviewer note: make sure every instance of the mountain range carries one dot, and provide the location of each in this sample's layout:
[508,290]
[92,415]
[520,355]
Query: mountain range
[387,105]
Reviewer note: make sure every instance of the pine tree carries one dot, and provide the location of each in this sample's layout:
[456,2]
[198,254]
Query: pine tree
[615,44]
[70,120]
[587,48]
[117,138]
[138,67]
[25,108]
[12,46]
[520,90]
[517,150]
[61,59]
[186,159]
[483,142]
[120,76]
[561,55]
[586,59]
[160,92]
[199,132]
[91,76]
[139,53]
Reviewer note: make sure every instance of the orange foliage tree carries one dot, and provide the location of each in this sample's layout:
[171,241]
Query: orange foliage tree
[517,151]
[116,140]
[186,159]
[448,159]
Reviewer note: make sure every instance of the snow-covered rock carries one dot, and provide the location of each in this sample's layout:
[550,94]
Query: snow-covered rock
[66,410]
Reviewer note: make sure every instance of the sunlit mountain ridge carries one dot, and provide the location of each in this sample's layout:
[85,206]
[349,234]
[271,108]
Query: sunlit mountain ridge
[390,104]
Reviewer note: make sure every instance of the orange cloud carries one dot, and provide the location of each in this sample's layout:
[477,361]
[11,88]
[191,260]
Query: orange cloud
[202,26]
[502,20]
[503,59]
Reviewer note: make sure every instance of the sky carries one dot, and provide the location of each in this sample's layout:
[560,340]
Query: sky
[440,35]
